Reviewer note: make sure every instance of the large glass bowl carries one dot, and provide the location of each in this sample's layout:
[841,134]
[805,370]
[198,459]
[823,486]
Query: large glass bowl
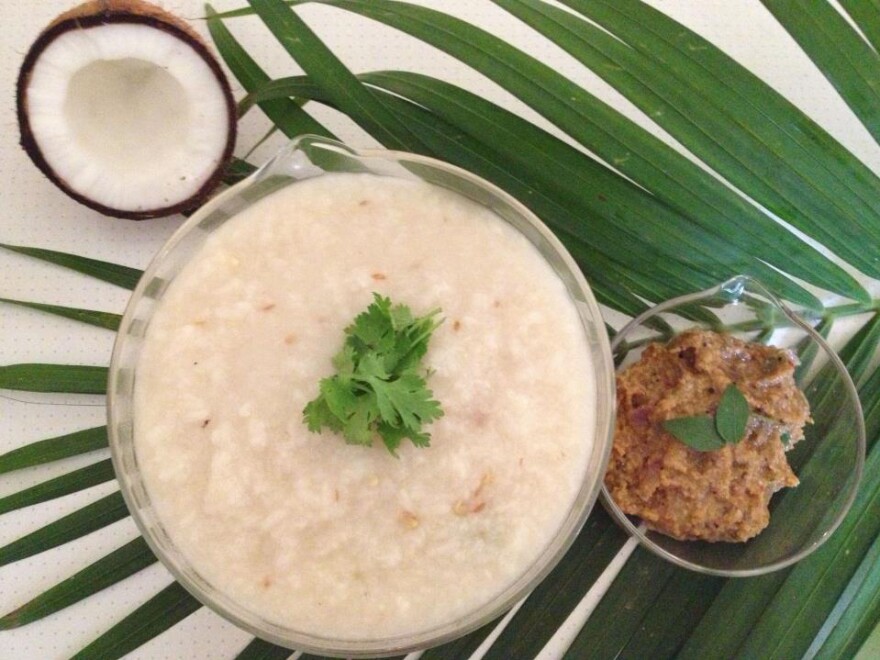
[303,159]
[828,461]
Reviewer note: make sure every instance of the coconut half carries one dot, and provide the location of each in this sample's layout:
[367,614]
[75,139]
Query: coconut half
[123,107]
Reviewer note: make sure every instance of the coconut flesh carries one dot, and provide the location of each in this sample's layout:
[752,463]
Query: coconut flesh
[126,111]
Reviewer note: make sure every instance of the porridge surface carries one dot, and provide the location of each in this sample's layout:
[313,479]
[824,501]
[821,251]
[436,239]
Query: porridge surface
[341,540]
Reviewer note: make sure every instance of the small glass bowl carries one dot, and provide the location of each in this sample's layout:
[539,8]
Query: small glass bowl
[828,461]
[302,159]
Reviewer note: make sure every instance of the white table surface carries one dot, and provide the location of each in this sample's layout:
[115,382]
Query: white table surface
[33,212]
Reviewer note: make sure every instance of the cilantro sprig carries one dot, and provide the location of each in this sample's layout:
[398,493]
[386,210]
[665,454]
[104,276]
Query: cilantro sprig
[707,433]
[378,389]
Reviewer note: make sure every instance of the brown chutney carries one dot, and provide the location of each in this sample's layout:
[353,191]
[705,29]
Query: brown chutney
[721,495]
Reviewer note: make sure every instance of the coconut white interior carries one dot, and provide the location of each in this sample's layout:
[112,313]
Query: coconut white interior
[128,115]
[344,541]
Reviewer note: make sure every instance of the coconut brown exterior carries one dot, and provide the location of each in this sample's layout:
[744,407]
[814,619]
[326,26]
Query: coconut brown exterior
[105,12]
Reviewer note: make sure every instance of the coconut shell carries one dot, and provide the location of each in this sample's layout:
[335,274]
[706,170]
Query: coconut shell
[104,12]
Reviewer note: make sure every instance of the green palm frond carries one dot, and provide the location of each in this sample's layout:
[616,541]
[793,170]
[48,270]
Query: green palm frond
[81,522]
[72,482]
[617,140]
[122,276]
[847,61]
[54,449]
[67,378]
[643,221]
[123,562]
[864,13]
[779,132]
[287,116]
[167,608]
[258,649]
[106,320]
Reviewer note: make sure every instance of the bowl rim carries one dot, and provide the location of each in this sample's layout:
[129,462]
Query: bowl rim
[578,512]
[732,289]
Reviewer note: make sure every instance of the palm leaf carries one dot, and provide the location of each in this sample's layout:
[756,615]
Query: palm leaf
[288,116]
[618,141]
[68,378]
[72,482]
[859,607]
[601,206]
[167,608]
[442,138]
[713,121]
[238,170]
[847,61]
[259,649]
[86,520]
[717,232]
[758,106]
[554,599]
[463,647]
[107,571]
[54,449]
[618,619]
[122,276]
[620,207]
[864,13]
[106,320]
[785,609]
[317,60]
[640,265]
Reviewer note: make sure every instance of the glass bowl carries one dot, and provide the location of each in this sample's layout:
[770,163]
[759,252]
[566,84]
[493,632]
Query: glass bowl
[303,159]
[828,461]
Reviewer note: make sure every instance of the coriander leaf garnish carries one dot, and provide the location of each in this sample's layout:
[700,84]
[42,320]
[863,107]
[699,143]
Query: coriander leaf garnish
[705,433]
[377,389]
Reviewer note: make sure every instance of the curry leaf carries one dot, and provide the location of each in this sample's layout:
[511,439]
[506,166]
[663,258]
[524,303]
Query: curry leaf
[696,432]
[732,414]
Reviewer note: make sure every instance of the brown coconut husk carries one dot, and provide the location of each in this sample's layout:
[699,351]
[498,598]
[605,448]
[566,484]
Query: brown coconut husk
[95,13]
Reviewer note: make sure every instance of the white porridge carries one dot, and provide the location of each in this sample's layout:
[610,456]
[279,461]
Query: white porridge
[348,541]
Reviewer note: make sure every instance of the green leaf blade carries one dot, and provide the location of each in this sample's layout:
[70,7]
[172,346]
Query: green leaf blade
[864,13]
[86,520]
[123,562]
[732,415]
[845,59]
[620,143]
[852,188]
[696,432]
[72,482]
[708,125]
[558,594]
[106,320]
[638,268]
[63,378]
[54,449]
[288,116]
[121,276]
[320,63]
[856,613]
[259,649]
[619,207]
[161,612]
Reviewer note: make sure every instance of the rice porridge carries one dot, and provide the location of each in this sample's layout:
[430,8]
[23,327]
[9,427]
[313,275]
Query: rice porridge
[348,541]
